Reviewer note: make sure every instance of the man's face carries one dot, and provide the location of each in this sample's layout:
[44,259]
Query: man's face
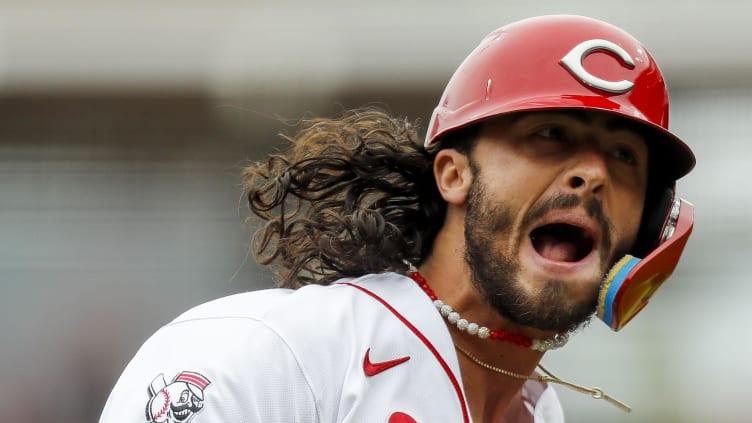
[556,199]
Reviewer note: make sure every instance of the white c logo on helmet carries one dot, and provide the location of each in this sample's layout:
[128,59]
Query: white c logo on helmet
[573,62]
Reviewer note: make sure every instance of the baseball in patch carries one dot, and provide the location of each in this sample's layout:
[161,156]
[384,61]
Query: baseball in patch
[177,401]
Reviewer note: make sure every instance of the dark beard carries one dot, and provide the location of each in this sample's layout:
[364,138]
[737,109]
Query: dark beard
[496,274]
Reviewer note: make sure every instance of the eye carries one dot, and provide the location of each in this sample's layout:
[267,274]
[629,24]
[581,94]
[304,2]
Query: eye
[184,397]
[551,132]
[625,154]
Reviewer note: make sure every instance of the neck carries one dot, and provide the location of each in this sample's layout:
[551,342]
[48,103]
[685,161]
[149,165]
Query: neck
[491,396]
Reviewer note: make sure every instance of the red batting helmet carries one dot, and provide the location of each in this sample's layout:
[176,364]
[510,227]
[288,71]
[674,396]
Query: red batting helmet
[574,62]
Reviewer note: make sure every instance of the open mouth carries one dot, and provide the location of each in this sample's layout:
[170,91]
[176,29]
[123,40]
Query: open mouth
[562,242]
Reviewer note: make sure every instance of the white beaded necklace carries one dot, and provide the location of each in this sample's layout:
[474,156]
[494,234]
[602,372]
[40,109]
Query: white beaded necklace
[482,332]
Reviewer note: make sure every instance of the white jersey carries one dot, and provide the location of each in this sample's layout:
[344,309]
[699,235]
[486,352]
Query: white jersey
[373,349]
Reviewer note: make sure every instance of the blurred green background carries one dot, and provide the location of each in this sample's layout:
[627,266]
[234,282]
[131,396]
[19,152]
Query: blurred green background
[124,127]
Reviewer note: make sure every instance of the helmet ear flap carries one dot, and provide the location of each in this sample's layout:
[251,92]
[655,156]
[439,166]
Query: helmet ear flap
[658,206]
[632,281]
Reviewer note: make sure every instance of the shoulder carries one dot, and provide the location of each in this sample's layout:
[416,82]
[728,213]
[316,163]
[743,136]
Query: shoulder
[257,304]
[203,367]
[235,345]
[312,305]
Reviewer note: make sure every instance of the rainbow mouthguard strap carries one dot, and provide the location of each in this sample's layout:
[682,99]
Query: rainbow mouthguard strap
[611,286]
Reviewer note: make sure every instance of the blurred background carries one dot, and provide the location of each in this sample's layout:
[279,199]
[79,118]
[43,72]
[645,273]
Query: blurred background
[124,127]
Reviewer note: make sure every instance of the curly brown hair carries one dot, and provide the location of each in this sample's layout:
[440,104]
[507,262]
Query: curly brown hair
[352,195]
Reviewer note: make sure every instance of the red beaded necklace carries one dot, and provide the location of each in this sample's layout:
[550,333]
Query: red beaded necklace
[483,332]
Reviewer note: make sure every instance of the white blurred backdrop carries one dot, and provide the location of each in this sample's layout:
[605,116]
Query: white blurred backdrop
[124,126]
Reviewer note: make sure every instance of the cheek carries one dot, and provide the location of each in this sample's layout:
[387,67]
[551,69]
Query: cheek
[630,216]
[515,182]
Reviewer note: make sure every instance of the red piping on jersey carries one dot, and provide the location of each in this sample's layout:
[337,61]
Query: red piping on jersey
[427,343]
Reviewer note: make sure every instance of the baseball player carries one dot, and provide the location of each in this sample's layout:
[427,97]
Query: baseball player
[424,279]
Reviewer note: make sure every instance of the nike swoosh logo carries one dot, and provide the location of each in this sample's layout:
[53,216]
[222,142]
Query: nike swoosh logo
[372,369]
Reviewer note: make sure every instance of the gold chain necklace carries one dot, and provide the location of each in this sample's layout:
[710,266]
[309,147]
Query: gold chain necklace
[596,393]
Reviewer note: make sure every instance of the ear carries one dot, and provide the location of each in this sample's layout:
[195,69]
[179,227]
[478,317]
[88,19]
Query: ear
[453,175]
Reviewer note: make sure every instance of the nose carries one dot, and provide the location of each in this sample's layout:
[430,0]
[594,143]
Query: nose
[588,173]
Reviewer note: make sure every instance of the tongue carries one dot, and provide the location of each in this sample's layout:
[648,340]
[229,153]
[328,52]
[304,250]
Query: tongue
[555,249]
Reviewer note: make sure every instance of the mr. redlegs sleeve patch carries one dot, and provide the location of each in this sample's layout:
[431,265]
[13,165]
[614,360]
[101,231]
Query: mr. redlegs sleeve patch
[177,402]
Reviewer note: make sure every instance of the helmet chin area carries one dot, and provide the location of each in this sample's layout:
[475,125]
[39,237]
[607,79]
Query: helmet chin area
[632,281]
